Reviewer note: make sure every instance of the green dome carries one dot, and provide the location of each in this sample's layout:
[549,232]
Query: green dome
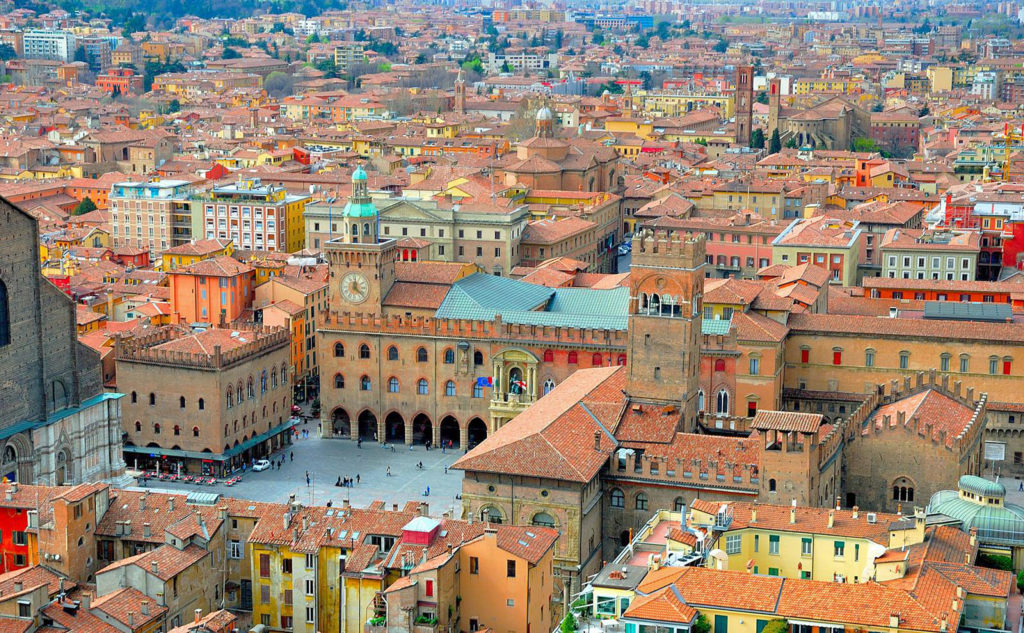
[356,208]
[982,486]
[997,524]
[359,174]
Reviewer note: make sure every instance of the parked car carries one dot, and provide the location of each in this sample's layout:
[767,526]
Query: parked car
[261,465]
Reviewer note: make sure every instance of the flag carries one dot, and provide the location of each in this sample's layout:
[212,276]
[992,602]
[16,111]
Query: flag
[484,381]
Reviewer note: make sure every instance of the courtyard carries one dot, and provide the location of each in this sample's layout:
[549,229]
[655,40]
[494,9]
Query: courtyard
[328,459]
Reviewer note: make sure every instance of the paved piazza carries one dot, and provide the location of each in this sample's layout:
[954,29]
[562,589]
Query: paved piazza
[328,459]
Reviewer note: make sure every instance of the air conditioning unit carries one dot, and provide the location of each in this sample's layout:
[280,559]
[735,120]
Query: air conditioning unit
[872,517]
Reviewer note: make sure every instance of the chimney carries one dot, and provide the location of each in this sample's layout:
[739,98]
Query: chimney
[144,607]
[142,500]
[9,494]
[18,586]
[345,504]
[838,506]
[597,440]
[131,619]
[305,523]
[424,509]
[974,536]
[223,513]
[287,520]
[170,503]
[145,530]
[394,507]
[944,625]
[153,566]
[753,513]
[831,518]
[894,620]
[856,512]
[792,512]
[199,612]
[86,600]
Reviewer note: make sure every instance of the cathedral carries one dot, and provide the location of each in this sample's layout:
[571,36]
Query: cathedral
[57,425]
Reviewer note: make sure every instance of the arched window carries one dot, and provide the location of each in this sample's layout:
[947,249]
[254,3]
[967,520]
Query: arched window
[678,504]
[152,399]
[156,428]
[903,490]
[195,431]
[339,350]
[263,382]
[202,404]
[449,388]
[229,399]
[364,383]
[621,360]
[392,353]
[225,429]
[5,316]
[478,390]
[339,381]
[617,499]
[573,358]
[392,385]
[284,375]
[449,356]
[771,485]
[719,364]
[641,501]
[422,387]
[543,519]
[549,384]
[239,396]
[478,358]
[722,402]
[181,402]
[700,399]
[596,359]
[273,378]
[251,390]
[421,355]
[177,430]
[549,356]
[490,514]
[135,397]
[364,351]
[138,426]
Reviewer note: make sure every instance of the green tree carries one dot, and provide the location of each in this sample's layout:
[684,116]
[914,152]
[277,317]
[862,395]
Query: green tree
[1020,581]
[643,41]
[757,139]
[277,28]
[701,625]
[721,46]
[994,561]
[924,111]
[230,53]
[598,38]
[775,143]
[85,206]
[80,55]
[173,106]
[475,64]
[780,625]
[135,23]
[865,144]
[762,97]
[568,623]
[7,51]
[791,143]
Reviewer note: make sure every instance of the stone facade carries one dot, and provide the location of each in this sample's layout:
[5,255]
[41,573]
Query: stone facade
[56,424]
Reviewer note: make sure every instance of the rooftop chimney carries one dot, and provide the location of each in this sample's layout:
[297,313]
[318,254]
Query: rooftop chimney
[753,513]
[18,586]
[145,530]
[831,518]
[597,440]
[153,566]
[792,512]
[424,509]
[144,607]
[131,618]
[199,612]
[143,499]
[856,512]
[170,503]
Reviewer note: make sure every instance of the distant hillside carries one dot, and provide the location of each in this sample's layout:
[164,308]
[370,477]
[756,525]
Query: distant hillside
[163,13]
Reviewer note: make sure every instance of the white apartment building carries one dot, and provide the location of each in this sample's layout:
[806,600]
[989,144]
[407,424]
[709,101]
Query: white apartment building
[49,44]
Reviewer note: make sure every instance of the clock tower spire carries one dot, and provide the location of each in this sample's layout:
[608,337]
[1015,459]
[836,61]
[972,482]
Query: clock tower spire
[362,264]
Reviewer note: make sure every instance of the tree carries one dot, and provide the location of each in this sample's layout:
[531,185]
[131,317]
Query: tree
[775,143]
[230,53]
[7,51]
[173,106]
[643,41]
[85,206]
[924,111]
[279,84]
[80,54]
[568,623]
[791,143]
[598,38]
[701,625]
[864,144]
[473,65]
[757,139]
[779,625]
[721,46]
[762,98]
[994,561]
[1020,581]
[134,24]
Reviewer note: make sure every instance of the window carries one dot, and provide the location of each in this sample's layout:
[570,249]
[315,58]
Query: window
[869,358]
[449,356]
[24,609]
[751,408]
[152,399]
[1007,365]
[339,381]
[573,358]
[965,363]
[310,587]
[177,429]
[364,383]
[733,543]
[288,596]
[474,565]
[478,390]
[339,350]
[421,355]
[837,357]
[310,561]
[805,355]
[805,547]
[195,431]
[549,356]
[904,360]
[364,351]
[181,402]
[5,317]
[235,550]
[429,589]
[510,568]
[265,596]
[617,499]
[548,386]
[773,544]
[755,366]
[993,365]
[722,402]
[286,566]
[678,505]
[422,387]
[449,388]
[265,567]
[392,385]
[543,519]
[839,549]
[771,485]
[595,360]
[392,353]
[310,614]
[641,501]
[286,621]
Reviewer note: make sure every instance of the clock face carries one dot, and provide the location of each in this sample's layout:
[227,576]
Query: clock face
[354,288]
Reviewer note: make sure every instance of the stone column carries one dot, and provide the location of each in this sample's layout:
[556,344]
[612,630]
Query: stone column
[408,432]
[531,382]
[353,429]
[381,431]
[464,436]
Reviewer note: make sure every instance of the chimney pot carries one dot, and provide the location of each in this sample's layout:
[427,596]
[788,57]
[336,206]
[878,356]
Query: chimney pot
[831,518]
[144,607]
[597,440]
[856,511]
[153,565]
[199,612]
[131,618]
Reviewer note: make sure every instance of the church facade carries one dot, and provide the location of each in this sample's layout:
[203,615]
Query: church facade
[57,425]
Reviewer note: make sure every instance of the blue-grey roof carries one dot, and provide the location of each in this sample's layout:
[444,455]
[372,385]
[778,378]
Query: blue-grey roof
[715,326]
[483,296]
[1001,525]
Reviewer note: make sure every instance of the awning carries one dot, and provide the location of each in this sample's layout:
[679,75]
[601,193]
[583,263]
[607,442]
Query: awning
[228,454]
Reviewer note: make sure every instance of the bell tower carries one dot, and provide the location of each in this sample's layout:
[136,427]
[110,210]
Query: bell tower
[362,264]
[666,303]
[744,104]
[460,94]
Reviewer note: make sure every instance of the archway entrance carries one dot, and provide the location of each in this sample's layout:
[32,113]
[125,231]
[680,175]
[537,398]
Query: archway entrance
[9,464]
[340,424]
[394,428]
[422,429]
[476,432]
[367,427]
[449,432]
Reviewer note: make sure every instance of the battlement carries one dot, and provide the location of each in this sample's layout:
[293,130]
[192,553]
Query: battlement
[673,249]
[372,323]
[142,349]
[737,471]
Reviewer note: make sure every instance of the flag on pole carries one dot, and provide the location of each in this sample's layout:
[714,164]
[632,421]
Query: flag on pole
[484,381]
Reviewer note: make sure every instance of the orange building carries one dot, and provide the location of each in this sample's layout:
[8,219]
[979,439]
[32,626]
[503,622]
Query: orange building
[211,291]
[121,81]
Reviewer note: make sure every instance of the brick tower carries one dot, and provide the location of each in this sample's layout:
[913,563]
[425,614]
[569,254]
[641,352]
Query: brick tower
[774,102]
[666,285]
[744,107]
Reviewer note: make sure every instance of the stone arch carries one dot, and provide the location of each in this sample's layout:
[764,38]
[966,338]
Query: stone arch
[394,427]
[492,514]
[476,432]
[422,429]
[341,425]
[16,459]
[449,430]
[367,426]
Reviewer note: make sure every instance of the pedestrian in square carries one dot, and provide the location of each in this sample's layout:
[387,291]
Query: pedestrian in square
[389,471]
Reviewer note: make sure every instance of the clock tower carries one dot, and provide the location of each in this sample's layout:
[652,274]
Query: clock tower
[362,264]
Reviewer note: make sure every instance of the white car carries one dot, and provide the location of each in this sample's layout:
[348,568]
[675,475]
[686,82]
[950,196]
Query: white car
[261,465]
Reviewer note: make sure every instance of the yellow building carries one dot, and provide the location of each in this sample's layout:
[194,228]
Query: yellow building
[827,243]
[670,104]
[831,86]
[940,79]
[188,254]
